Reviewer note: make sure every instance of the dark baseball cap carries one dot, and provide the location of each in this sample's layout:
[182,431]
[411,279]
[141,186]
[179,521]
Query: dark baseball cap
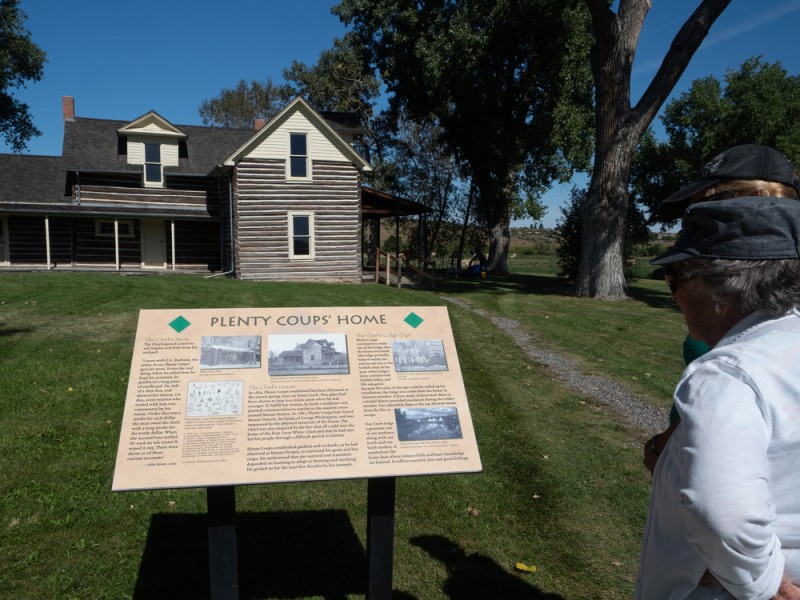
[748,228]
[748,161]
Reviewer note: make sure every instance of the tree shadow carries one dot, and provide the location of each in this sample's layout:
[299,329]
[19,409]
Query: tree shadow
[477,577]
[280,555]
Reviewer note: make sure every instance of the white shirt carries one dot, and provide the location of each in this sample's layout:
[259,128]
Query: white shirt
[726,489]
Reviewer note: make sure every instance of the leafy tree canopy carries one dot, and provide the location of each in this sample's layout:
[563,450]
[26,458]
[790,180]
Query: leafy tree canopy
[20,61]
[506,80]
[758,103]
[239,107]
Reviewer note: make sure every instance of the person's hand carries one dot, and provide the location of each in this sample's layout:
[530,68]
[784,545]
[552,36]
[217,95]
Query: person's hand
[655,446]
[651,453]
[787,591]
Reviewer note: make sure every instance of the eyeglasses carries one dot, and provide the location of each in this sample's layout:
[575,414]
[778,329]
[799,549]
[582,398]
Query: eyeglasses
[672,277]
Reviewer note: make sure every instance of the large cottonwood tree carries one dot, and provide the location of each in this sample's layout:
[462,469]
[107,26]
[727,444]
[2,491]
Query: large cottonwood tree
[619,127]
[506,81]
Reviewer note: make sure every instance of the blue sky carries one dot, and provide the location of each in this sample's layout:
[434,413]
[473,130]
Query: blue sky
[122,58]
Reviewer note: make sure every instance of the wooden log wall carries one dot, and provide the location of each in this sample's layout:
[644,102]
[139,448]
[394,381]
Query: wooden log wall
[180,190]
[197,244]
[263,200]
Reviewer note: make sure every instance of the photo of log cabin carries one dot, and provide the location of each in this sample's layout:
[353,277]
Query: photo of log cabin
[306,354]
[230,352]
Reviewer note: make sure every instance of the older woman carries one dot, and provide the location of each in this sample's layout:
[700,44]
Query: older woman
[745,170]
[724,518]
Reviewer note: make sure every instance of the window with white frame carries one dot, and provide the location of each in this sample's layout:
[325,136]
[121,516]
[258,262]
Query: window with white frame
[301,235]
[298,156]
[105,228]
[153,170]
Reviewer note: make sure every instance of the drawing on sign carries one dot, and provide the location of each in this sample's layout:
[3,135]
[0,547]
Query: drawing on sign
[434,423]
[418,355]
[214,398]
[308,354]
[230,352]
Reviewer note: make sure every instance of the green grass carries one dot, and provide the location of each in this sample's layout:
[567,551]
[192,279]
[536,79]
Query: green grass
[563,487]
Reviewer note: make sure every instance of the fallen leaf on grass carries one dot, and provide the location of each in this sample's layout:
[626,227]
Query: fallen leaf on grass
[525,568]
[536,496]
[473,511]
[616,563]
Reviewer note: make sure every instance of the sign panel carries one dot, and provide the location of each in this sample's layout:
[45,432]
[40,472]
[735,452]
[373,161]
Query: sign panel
[241,396]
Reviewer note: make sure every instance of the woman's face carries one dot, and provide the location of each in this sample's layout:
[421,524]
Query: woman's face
[707,319]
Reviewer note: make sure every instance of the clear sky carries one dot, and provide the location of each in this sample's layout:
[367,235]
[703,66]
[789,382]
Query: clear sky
[121,58]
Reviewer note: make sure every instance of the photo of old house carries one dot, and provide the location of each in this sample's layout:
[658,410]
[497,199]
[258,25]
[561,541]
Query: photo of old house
[230,352]
[431,423]
[308,354]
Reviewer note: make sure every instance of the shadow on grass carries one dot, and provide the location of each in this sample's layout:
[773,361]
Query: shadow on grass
[281,555]
[474,576]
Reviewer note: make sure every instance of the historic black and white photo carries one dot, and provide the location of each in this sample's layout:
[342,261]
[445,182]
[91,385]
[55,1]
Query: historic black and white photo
[230,352]
[433,423]
[418,355]
[308,354]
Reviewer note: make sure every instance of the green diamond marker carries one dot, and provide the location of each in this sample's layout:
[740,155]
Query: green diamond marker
[179,324]
[414,320]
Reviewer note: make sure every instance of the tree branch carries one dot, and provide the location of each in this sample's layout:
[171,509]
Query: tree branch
[683,47]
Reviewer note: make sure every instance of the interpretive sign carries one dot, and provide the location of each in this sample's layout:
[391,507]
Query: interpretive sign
[242,396]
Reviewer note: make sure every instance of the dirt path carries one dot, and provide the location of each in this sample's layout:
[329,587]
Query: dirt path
[632,410]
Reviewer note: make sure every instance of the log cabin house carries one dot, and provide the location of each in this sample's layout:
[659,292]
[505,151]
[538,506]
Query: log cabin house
[282,201]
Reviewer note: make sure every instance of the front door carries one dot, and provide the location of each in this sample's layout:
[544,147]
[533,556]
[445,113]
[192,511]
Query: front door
[153,246]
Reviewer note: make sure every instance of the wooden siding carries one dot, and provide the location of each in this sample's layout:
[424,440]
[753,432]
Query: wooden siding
[27,243]
[197,244]
[99,250]
[276,145]
[74,242]
[188,192]
[169,151]
[263,200]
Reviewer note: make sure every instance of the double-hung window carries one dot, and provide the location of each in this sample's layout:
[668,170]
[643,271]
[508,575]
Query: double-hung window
[301,235]
[298,156]
[153,173]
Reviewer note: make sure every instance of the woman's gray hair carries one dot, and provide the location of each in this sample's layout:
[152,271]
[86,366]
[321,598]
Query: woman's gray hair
[771,286]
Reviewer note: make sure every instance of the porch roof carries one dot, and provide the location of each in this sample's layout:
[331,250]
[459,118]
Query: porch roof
[376,205]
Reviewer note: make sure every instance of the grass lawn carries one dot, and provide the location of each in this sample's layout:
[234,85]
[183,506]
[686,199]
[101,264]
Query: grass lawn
[563,487]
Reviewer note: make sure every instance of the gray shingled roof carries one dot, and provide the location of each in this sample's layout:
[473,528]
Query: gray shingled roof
[93,145]
[26,178]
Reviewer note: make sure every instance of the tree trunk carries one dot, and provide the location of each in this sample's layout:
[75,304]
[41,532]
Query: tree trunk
[600,273]
[618,129]
[499,241]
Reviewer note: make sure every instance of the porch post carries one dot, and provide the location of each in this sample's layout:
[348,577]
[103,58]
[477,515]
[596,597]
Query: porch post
[116,242]
[172,237]
[47,240]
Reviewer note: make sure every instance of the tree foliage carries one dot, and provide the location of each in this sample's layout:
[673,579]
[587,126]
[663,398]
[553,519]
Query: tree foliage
[21,61]
[506,81]
[240,106]
[758,103]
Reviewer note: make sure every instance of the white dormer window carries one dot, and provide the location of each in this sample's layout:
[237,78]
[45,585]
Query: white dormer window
[153,170]
[298,166]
